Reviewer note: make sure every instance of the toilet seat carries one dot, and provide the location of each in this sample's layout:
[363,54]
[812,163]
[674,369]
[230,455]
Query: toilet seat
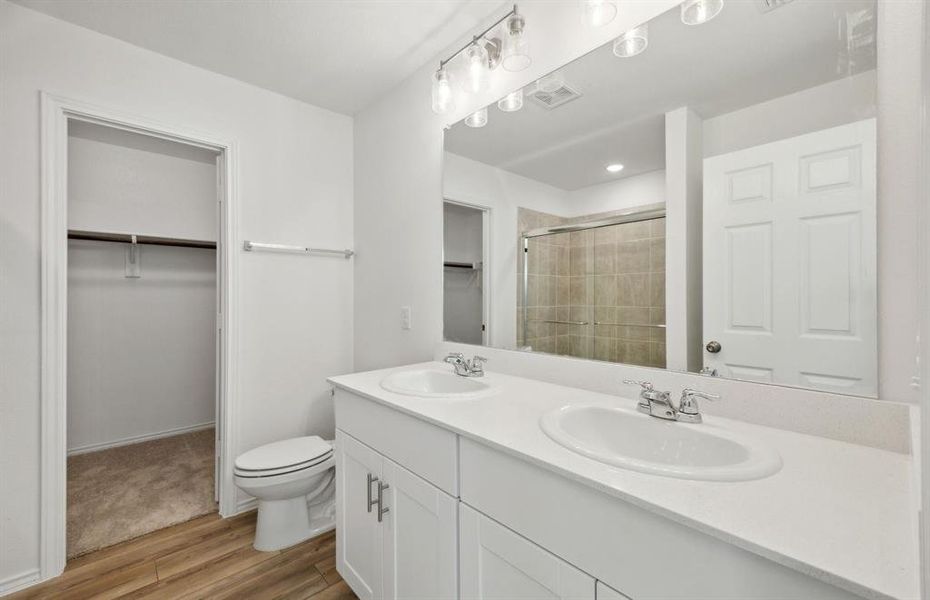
[284,457]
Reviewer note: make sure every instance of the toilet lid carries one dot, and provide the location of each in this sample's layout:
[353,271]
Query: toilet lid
[283,454]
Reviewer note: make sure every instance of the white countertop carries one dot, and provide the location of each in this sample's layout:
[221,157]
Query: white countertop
[836,511]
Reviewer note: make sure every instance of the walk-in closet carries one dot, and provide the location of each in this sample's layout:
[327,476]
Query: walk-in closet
[141,334]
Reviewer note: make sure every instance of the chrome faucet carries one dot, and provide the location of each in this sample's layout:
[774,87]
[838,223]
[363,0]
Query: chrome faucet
[688,410]
[658,404]
[654,402]
[466,368]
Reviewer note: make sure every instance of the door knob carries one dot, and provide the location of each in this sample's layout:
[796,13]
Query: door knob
[713,347]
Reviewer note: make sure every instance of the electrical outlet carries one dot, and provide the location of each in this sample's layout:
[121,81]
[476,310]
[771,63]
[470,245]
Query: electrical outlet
[405,317]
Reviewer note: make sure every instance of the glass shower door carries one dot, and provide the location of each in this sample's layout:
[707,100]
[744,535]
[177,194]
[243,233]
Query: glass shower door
[543,320]
[629,293]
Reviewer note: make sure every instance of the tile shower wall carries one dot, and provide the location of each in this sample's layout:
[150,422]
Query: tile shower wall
[605,285]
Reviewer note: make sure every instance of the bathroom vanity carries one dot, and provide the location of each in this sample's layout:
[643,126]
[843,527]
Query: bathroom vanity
[466,496]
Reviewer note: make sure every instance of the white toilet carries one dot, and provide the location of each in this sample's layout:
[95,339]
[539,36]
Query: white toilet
[294,482]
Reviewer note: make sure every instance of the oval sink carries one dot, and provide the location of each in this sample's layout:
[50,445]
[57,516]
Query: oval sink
[628,439]
[428,383]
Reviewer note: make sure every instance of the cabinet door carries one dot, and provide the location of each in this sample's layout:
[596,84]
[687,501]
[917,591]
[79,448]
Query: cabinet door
[358,533]
[498,564]
[420,538]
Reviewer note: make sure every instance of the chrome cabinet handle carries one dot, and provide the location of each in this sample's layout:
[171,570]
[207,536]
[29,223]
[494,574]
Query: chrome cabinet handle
[371,502]
[382,510]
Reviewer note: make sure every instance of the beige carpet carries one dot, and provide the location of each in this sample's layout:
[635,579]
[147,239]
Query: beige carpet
[122,493]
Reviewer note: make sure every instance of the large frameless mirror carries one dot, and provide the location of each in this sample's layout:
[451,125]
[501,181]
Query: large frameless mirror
[692,197]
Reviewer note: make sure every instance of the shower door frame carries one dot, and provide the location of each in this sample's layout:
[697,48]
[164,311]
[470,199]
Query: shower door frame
[55,113]
[646,212]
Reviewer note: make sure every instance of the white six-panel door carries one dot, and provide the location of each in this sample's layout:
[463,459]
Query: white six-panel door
[498,564]
[790,261]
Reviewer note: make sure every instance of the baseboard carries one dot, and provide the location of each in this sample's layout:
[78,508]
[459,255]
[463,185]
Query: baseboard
[245,505]
[139,438]
[19,582]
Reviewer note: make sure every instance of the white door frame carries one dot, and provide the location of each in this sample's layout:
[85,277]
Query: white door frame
[485,261]
[55,113]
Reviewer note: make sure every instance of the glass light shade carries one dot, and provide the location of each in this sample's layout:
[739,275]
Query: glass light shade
[596,13]
[515,56]
[443,100]
[632,42]
[512,102]
[479,118]
[477,72]
[695,12]
[551,82]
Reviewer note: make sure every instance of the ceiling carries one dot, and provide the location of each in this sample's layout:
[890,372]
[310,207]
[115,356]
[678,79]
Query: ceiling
[742,57]
[338,54]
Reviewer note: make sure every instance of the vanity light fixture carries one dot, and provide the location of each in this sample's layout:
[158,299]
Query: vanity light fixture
[632,42]
[479,118]
[597,13]
[614,168]
[696,12]
[482,55]
[512,102]
[443,100]
[515,55]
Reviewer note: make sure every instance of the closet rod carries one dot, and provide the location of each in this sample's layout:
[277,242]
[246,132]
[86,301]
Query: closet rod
[126,238]
[461,265]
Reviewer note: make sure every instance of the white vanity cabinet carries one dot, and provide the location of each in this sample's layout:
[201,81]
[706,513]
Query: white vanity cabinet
[497,563]
[396,533]
[463,519]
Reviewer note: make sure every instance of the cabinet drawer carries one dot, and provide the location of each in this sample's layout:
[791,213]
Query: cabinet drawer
[423,448]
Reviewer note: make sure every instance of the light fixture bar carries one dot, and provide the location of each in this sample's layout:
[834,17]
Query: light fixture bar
[513,11]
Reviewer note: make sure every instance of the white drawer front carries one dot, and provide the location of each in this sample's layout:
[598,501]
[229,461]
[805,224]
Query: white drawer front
[428,451]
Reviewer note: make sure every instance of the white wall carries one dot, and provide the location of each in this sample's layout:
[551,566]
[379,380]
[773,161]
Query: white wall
[124,182]
[629,192]
[470,181]
[295,180]
[899,104]
[141,352]
[684,174]
[832,104]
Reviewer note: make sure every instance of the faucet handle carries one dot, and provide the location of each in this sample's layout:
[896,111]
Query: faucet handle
[454,356]
[478,360]
[692,393]
[647,386]
[688,406]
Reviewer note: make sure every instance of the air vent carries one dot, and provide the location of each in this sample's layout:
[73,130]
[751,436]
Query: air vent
[554,94]
[770,5]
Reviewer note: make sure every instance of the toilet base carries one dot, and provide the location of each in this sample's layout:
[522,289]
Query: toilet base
[284,523]
[281,523]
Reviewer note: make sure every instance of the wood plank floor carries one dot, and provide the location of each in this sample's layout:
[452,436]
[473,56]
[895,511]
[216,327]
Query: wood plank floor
[208,557]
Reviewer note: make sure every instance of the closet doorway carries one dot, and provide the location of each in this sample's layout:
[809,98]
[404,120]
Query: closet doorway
[466,274]
[136,340]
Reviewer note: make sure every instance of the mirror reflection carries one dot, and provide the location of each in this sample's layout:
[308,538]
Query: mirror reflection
[691,197]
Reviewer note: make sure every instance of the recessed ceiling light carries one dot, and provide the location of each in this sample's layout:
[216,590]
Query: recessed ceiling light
[614,168]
